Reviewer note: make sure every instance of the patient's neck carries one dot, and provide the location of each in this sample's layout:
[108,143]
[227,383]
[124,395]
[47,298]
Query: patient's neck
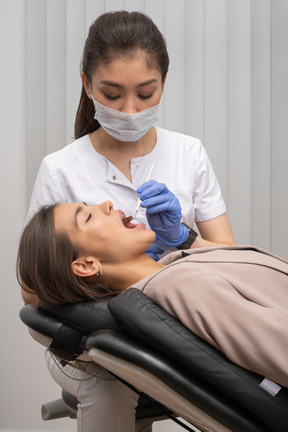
[123,276]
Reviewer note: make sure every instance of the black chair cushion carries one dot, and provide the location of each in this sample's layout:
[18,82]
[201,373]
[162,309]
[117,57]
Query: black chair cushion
[180,379]
[139,316]
[83,316]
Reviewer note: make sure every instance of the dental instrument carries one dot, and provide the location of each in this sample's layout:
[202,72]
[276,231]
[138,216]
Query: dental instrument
[139,200]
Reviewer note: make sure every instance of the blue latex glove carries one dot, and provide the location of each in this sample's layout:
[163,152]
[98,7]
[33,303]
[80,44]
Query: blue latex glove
[153,252]
[163,212]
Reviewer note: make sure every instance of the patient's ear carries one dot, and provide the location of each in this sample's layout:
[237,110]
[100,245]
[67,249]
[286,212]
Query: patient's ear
[85,266]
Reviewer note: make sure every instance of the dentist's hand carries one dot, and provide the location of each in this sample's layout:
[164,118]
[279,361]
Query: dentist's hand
[153,252]
[163,213]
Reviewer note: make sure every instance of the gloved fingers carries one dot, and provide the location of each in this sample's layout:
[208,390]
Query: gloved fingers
[162,221]
[170,207]
[154,251]
[156,197]
[151,188]
[157,220]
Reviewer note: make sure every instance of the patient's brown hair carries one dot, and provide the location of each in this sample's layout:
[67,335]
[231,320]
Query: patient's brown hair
[44,264]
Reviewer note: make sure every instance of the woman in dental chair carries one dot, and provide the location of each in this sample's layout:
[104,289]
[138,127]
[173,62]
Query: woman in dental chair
[234,297]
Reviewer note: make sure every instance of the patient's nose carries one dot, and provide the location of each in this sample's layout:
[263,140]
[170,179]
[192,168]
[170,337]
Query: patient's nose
[107,207]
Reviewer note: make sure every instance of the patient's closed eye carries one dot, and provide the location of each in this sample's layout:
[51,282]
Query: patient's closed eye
[89,217]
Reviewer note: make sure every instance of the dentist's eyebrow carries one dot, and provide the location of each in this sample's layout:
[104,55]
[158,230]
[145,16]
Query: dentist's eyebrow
[114,84]
[147,82]
[110,83]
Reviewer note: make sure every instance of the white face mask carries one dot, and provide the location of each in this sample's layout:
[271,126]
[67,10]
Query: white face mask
[123,126]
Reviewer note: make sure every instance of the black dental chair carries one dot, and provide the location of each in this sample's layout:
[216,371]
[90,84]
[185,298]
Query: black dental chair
[177,374]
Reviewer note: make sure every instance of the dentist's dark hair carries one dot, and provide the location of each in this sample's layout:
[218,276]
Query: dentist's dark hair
[44,264]
[114,35]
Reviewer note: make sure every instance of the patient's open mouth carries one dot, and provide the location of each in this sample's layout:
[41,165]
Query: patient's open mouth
[127,222]
[126,219]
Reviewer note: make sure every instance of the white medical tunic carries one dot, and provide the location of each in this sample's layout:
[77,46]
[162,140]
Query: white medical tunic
[78,173]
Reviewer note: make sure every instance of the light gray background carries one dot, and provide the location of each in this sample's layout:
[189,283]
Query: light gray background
[227,85]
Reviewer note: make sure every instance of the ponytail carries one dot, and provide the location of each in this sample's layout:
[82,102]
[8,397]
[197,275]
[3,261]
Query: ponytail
[85,122]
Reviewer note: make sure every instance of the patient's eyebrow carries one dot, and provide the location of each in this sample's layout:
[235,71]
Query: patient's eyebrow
[77,211]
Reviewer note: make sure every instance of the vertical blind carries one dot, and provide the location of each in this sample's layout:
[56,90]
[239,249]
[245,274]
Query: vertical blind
[227,85]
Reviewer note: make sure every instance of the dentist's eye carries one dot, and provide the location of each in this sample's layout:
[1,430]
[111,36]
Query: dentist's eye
[148,96]
[89,217]
[111,97]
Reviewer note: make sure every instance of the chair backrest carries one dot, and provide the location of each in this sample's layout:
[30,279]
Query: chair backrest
[139,316]
[169,346]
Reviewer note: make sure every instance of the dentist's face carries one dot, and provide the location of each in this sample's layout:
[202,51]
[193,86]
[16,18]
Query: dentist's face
[99,231]
[126,84]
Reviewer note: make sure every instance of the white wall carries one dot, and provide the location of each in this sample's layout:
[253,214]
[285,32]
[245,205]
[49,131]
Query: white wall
[24,380]
[227,85]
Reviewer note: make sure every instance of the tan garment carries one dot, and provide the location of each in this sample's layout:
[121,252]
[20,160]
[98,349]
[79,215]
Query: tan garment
[236,298]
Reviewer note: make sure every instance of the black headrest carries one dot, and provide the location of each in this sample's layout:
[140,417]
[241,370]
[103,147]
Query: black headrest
[84,316]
